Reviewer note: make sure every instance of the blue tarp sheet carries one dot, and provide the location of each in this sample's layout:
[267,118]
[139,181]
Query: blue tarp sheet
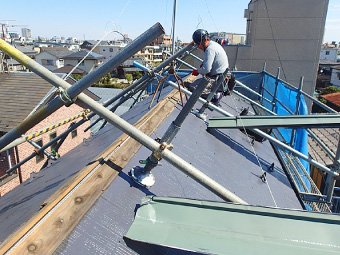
[286,99]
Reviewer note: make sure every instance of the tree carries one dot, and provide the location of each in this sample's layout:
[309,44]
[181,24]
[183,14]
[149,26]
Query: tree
[108,78]
[77,77]
[329,90]
[128,76]
[136,75]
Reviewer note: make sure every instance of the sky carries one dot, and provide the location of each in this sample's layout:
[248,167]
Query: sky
[88,19]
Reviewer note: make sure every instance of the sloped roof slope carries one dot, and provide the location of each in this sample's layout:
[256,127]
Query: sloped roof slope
[19,95]
[82,53]
[68,68]
[59,52]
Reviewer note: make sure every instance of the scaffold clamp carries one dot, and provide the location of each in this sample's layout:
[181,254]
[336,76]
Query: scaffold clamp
[64,97]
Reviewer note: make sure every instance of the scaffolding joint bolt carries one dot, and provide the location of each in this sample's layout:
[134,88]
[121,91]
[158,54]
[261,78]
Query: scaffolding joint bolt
[64,97]
[159,152]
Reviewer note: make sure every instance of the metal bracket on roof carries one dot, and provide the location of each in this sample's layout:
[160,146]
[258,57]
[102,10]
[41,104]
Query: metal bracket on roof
[64,97]
[143,175]
[159,152]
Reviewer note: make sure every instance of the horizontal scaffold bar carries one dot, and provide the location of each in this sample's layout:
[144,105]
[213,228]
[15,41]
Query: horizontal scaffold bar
[278,121]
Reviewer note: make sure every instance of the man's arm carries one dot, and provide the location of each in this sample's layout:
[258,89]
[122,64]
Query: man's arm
[209,57]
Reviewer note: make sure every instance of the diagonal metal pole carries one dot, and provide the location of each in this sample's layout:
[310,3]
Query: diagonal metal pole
[68,97]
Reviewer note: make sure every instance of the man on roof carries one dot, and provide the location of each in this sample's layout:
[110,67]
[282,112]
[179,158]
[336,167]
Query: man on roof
[215,61]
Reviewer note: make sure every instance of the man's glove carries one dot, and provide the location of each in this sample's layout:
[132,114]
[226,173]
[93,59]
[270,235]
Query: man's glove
[195,73]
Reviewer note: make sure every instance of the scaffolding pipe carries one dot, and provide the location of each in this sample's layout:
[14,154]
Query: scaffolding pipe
[330,153]
[43,147]
[38,147]
[72,91]
[306,95]
[194,56]
[332,181]
[181,61]
[174,27]
[252,91]
[17,161]
[122,100]
[292,139]
[311,134]
[261,133]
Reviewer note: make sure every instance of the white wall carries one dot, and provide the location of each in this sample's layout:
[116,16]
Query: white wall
[329,54]
[86,65]
[49,61]
[108,50]
[335,77]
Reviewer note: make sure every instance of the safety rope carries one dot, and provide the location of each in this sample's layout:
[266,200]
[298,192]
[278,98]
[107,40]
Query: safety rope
[263,176]
[178,80]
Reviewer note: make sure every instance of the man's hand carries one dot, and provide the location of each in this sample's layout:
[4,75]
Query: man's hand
[195,73]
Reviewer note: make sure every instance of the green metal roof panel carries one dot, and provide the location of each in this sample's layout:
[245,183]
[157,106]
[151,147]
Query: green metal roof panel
[222,228]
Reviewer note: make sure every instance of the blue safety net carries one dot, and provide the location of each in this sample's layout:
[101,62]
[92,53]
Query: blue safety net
[282,99]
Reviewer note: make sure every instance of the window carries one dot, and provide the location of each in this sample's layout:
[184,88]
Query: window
[111,50]
[327,52]
[52,136]
[47,62]
[74,133]
[39,156]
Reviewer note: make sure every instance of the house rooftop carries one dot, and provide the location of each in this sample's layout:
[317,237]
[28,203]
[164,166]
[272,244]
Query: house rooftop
[59,52]
[21,93]
[81,54]
[68,68]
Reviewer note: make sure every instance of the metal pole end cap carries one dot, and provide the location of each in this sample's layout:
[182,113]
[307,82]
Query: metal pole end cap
[141,177]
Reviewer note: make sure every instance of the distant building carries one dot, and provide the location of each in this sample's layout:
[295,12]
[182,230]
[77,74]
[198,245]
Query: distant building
[151,54]
[109,50]
[52,57]
[127,67]
[227,38]
[26,33]
[324,73]
[162,40]
[10,65]
[330,54]
[92,61]
[89,44]
[335,76]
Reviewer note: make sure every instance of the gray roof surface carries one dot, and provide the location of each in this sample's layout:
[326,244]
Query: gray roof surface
[68,68]
[80,54]
[26,50]
[19,95]
[106,94]
[226,156]
[58,52]
[330,137]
